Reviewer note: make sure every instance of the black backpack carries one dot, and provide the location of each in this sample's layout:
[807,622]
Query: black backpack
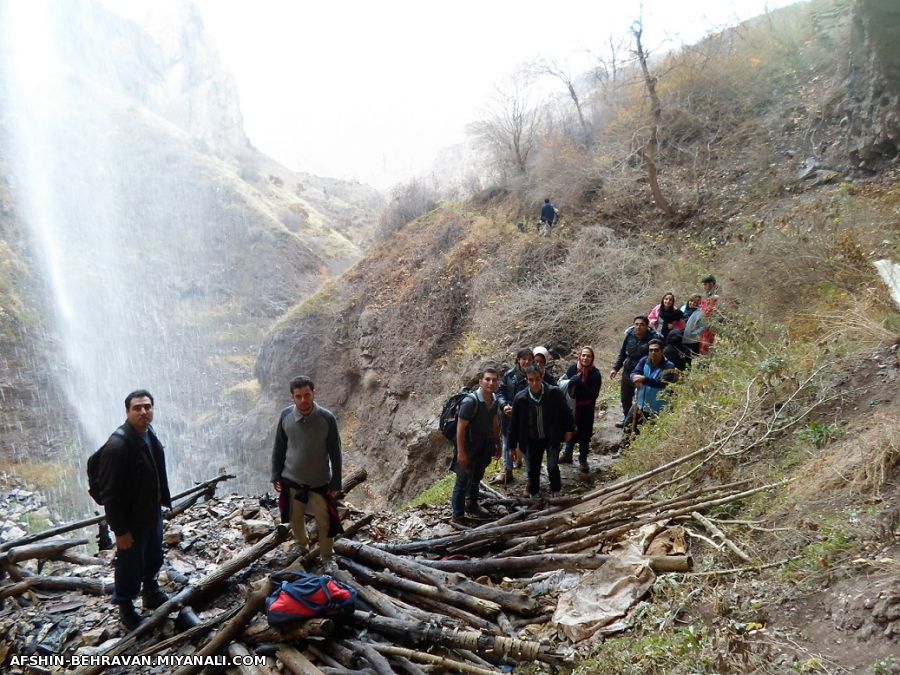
[96,479]
[450,414]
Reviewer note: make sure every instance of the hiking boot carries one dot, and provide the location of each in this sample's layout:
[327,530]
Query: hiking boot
[583,466]
[153,597]
[565,458]
[555,493]
[473,508]
[129,617]
[620,425]
[509,476]
[459,520]
[329,567]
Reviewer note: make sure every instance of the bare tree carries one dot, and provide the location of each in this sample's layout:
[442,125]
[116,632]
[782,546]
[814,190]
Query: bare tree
[651,149]
[554,69]
[609,64]
[510,131]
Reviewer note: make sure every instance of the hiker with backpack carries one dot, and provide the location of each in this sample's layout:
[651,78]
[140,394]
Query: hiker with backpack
[541,420]
[477,440]
[583,382]
[128,477]
[306,467]
[511,384]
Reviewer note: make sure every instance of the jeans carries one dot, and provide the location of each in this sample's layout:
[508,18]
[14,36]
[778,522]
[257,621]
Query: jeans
[468,480]
[626,391]
[534,457]
[583,447]
[507,455]
[139,564]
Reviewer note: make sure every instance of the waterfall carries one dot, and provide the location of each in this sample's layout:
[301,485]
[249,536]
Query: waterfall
[128,224]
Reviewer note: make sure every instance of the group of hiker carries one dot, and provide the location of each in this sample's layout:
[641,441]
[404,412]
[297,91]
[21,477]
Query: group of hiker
[520,415]
[526,413]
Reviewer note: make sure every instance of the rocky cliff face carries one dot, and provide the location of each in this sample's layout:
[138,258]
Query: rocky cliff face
[181,243]
[873,83]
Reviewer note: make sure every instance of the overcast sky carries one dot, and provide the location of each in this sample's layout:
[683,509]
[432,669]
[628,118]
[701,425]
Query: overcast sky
[372,90]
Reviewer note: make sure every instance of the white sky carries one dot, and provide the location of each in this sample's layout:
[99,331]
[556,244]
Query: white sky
[372,90]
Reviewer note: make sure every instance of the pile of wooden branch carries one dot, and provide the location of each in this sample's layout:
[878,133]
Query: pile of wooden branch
[456,602]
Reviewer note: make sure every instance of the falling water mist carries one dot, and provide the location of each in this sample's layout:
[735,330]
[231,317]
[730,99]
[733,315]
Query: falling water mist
[122,219]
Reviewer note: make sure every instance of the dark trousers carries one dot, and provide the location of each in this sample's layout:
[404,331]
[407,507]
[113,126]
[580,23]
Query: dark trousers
[534,457]
[467,480]
[626,390]
[138,564]
[583,447]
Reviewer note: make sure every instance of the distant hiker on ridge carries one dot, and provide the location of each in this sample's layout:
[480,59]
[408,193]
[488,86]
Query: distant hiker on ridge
[548,217]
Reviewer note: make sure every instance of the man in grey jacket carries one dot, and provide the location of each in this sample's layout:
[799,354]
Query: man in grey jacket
[306,461]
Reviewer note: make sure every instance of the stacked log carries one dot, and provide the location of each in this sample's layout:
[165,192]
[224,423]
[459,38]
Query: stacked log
[434,603]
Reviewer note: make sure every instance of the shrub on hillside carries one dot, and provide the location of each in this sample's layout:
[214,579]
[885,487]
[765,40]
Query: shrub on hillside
[408,202]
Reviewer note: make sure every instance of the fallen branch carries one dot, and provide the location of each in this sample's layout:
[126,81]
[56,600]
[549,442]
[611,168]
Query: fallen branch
[716,532]
[87,522]
[532,564]
[42,583]
[434,659]
[185,596]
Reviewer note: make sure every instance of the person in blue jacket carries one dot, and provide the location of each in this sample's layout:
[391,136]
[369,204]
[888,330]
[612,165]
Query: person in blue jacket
[548,217]
[650,376]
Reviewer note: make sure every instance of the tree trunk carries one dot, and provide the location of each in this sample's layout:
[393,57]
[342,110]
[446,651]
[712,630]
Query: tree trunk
[652,148]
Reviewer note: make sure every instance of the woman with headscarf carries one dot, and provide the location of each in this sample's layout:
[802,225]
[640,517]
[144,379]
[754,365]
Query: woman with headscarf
[584,382]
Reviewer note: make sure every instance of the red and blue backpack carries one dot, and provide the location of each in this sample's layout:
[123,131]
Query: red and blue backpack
[299,596]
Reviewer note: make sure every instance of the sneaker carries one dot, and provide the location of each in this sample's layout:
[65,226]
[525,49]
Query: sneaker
[329,567]
[620,425]
[153,597]
[129,617]
[555,494]
[509,476]
[565,459]
[583,466]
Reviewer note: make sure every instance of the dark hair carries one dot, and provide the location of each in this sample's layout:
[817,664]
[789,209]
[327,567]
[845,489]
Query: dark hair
[533,370]
[522,353]
[708,279]
[674,299]
[302,381]
[656,341]
[489,369]
[642,318]
[137,393]
[547,200]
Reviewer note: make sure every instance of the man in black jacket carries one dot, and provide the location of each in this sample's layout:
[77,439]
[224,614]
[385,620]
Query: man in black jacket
[634,348]
[541,420]
[134,488]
